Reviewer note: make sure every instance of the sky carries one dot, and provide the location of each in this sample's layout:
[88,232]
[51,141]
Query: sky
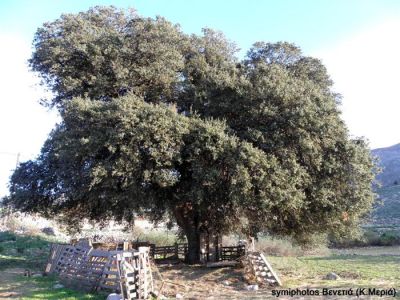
[357,40]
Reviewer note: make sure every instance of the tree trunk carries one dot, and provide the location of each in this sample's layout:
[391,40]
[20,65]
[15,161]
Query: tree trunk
[187,219]
[193,255]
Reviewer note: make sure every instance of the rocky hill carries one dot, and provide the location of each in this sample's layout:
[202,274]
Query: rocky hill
[388,211]
[389,158]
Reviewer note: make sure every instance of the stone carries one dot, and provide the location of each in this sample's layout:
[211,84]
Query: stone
[48,231]
[179,296]
[37,275]
[8,295]
[332,276]
[114,296]
[226,282]
[58,286]
[252,287]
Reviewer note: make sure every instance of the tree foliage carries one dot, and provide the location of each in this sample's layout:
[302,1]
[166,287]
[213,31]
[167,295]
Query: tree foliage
[254,145]
[104,52]
[110,160]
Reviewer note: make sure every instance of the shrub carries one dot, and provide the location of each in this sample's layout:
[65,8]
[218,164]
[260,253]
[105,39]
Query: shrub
[370,237]
[7,236]
[287,247]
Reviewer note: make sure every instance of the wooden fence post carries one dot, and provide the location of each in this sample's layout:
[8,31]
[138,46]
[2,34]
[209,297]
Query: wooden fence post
[176,251]
[125,246]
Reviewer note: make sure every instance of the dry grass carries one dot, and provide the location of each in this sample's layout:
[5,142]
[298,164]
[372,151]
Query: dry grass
[285,247]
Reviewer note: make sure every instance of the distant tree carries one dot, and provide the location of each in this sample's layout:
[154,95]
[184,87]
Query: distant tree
[281,161]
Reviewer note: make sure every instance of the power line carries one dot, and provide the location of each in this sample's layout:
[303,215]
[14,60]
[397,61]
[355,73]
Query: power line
[17,163]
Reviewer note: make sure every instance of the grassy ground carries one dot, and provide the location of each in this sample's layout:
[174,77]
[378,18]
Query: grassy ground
[15,285]
[22,251]
[377,269]
[19,253]
[354,270]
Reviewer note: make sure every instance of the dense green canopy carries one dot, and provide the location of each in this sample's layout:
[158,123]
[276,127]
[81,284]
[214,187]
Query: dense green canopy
[162,123]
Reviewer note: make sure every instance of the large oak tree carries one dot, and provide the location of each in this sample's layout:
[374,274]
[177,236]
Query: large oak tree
[251,145]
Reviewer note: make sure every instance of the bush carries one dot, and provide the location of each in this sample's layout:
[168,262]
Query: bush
[7,236]
[370,237]
[390,239]
[287,247]
[160,238]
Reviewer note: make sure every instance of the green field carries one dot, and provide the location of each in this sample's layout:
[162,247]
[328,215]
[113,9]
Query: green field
[355,270]
[19,253]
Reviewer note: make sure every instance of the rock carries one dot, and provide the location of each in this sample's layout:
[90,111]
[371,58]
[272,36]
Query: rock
[114,296]
[37,275]
[226,282]
[8,295]
[179,296]
[253,287]
[332,276]
[48,231]
[58,286]
[154,294]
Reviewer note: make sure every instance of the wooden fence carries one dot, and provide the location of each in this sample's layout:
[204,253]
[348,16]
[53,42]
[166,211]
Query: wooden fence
[176,251]
[172,252]
[82,267]
[231,252]
[179,251]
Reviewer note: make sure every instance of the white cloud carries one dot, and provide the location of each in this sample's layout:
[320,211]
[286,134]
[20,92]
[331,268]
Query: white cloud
[365,68]
[24,124]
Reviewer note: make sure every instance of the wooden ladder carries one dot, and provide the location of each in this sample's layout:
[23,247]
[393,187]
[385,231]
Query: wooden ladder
[261,269]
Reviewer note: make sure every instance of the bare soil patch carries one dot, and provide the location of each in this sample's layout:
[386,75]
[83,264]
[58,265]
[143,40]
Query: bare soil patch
[11,285]
[197,282]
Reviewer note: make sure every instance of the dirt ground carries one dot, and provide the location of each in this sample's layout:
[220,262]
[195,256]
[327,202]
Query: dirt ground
[198,282]
[11,286]
[194,282]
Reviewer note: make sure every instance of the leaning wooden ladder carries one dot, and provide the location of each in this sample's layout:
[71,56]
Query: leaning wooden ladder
[257,264]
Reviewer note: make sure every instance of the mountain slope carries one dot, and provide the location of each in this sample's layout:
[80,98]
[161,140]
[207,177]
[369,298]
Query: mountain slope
[388,211]
[390,162]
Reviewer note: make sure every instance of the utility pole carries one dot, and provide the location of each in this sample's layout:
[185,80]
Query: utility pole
[18,157]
